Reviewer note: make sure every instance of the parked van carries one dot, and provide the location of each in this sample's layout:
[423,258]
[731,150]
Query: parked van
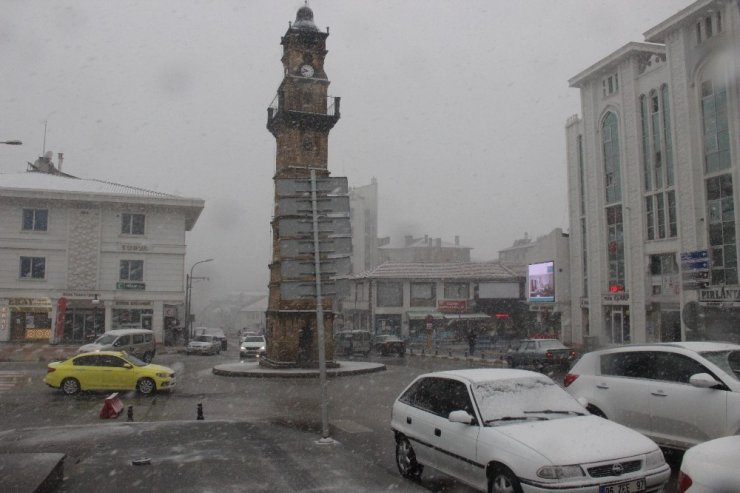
[138,342]
[348,342]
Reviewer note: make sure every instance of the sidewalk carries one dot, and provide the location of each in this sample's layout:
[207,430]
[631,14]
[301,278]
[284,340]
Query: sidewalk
[45,352]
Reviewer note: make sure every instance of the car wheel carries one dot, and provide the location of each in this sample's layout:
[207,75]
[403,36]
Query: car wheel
[502,480]
[148,357]
[406,460]
[70,386]
[146,386]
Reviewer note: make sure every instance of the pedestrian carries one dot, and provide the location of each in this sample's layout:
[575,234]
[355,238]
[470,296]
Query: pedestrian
[472,336]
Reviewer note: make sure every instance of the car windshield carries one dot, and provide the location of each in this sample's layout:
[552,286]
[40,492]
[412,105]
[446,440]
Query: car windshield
[254,339]
[729,361]
[106,339]
[203,339]
[134,360]
[511,400]
[552,344]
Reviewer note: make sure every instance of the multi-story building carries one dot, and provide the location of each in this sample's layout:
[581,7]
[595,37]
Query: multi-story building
[80,256]
[401,298]
[515,256]
[363,204]
[653,182]
[426,249]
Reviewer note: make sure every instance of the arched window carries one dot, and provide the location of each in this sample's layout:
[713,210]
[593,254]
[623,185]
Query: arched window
[613,189]
[610,146]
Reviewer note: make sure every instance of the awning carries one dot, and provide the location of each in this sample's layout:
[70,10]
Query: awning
[466,316]
[422,315]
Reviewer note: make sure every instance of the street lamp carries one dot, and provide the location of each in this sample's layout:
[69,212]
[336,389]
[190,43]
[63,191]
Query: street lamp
[12,142]
[188,297]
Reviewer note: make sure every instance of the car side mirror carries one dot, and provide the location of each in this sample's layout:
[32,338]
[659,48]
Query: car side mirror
[703,381]
[461,417]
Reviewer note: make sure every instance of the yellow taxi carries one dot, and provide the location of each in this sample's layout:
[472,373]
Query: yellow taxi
[108,370]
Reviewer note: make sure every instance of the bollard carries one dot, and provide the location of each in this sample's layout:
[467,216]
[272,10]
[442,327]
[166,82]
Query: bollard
[130,413]
[200,412]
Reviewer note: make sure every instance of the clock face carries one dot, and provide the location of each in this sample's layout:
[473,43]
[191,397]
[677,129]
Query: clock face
[307,71]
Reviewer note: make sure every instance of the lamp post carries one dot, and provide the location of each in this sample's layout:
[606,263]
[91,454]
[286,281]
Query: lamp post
[188,297]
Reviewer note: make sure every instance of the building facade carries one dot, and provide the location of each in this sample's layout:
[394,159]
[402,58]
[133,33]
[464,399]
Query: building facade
[79,256]
[402,298]
[363,203]
[653,184]
[424,249]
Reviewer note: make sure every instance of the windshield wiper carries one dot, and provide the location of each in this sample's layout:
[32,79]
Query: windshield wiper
[515,418]
[550,411]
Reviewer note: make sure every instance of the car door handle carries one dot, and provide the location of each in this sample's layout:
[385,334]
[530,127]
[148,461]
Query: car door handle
[659,393]
[437,432]
[408,420]
[602,386]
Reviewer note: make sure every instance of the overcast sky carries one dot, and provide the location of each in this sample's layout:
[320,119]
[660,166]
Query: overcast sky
[456,107]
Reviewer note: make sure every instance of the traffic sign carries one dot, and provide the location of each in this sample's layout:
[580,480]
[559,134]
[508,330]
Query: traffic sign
[335,185]
[694,255]
[325,206]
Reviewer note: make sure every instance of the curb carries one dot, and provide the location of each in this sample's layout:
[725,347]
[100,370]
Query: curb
[296,373]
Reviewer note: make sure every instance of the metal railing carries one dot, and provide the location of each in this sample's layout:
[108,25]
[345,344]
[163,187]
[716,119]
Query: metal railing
[278,104]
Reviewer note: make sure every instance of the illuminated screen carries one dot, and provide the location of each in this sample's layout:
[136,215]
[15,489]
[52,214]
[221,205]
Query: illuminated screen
[541,282]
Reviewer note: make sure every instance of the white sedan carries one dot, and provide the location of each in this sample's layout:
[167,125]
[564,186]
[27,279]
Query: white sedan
[711,467]
[503,430]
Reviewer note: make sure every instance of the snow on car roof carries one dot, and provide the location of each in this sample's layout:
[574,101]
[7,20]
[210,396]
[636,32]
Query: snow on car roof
[486,374]
[696,346]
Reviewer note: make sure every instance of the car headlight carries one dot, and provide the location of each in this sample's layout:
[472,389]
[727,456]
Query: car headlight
[262,348]
[163,375]
[654,459]
[560,472]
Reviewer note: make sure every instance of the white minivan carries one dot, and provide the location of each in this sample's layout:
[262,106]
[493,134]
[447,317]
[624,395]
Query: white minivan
[138,342]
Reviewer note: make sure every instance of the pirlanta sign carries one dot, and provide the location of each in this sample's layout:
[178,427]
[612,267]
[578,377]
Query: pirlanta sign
[723,293]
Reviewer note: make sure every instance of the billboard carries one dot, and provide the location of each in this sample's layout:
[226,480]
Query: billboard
[541,282]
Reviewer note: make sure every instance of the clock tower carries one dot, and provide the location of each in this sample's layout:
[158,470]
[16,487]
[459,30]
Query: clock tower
[300,118]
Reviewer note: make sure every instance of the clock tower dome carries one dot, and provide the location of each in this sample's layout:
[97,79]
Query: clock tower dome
[300,118]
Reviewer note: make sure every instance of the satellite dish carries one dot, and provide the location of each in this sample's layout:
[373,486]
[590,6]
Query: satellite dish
[48,155]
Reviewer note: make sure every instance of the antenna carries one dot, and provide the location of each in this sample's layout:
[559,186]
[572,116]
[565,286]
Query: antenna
[43,151]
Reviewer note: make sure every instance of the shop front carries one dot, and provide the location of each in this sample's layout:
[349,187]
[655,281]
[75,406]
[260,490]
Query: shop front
[29,319]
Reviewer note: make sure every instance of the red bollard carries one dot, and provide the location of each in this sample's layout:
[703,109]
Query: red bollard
[112,407]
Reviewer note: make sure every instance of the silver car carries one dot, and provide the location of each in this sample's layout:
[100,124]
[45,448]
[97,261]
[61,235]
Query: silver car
[204,344]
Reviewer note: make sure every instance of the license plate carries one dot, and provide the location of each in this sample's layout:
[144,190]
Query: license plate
[633,486]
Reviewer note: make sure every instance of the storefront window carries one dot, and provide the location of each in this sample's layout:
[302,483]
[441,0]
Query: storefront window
[423,294]
[390,294]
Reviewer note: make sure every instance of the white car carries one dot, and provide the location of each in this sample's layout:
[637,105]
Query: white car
[504,430]
[203,344]
[252,346]
[679,394]
[711,467]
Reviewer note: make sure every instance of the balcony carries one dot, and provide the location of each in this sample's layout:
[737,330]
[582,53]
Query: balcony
[318,116]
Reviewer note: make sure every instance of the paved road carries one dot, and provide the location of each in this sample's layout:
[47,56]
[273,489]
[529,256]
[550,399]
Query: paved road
[359,409]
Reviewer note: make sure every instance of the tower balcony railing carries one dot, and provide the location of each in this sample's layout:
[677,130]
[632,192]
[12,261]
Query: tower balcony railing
[277,106]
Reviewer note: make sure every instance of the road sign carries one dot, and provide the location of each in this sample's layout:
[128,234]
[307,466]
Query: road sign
[325,206]
[335,185]
[694,255]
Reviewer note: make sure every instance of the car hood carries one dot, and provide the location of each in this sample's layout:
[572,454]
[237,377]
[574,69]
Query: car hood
[199,344]
[159,368]
[578,439]
[252,345]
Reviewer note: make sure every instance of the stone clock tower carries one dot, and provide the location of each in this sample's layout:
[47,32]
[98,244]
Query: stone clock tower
[300,118]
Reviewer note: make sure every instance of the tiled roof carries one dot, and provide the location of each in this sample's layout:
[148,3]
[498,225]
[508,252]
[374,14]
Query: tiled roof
[47,182]
[482,271]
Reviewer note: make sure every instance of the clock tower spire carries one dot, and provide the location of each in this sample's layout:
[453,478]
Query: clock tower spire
[300,118]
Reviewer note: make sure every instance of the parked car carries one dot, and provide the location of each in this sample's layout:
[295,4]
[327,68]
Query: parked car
[540,353]
[517,431]
[711,467]
[219,333]
[386,344]
[203,344]
[349,342]
[679,394]
[252,346]
[108,370]
[139,342]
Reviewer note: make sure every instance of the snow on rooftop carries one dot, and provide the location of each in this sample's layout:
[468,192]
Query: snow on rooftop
[428,270]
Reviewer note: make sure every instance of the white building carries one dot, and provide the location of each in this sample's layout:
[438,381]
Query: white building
[653,182]
[363,206]
[80,256]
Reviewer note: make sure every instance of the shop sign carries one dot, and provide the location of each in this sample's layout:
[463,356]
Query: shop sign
[133,303]
[40,302]
[455,305]
[78,295]
[131,285]
[615,297]
[723,293]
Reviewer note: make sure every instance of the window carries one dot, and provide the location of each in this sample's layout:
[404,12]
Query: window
[610,85]
[615,246]
[715,128]
[721,223]
[664,273]
[677,368]
[132,224]
[86,361]
[390,294]
[35,219]
[122,341]
[33,267]
[628,364]
[423,294]
[610,148]
[110,361]
[132,270]
[138,338]
[456,291]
